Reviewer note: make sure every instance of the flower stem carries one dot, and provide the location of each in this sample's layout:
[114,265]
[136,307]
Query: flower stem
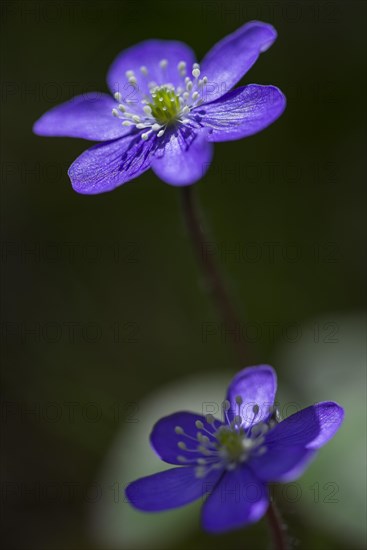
[216,286]
[278,531]
[211,273]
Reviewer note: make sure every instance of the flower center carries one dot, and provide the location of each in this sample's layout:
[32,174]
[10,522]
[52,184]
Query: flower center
[233,444]
[165,104]
[228,445]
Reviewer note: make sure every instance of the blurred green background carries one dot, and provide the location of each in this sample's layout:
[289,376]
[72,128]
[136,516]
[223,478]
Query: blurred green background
[104,311]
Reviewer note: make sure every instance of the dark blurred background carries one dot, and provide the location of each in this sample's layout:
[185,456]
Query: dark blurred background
[103,303]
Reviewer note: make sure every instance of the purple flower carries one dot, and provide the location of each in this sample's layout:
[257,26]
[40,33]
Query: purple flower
[231,462]
[166,111]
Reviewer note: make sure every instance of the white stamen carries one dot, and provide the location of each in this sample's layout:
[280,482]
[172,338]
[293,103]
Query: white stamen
[144,70]
[196,70]
[117,96]
[163,63]
[210,419]
[147,110]
[115,112]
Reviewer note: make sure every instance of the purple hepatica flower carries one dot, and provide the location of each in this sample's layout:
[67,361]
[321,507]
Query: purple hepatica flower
[233,460]
[166,110]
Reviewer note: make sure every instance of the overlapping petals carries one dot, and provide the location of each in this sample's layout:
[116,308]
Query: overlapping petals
[183,157]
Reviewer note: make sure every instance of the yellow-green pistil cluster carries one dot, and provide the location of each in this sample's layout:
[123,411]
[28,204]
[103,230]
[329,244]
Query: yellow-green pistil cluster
[233,443]
[165,105]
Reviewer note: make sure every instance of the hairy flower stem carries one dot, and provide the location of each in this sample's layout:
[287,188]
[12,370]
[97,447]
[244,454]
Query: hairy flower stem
[277,528]
[211,273]
[216,286]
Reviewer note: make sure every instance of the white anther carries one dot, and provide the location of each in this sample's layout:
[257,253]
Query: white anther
[186,110]
[181,66]
[129,74]
[204,451]
[136,118]
[144,70]
[205,80]
[163,63]
[239,400]
[199,425]
[226,405]
[179,430]
[147,110]
[127,123]
[195,96]
[160,134]
[115,112]
[145,136]
[122,108]
[210,419]
[181,445]
[196,73]
[132,80]
[186,95]
[237,420]
[181,458]
[117,96]
[189,86]
[156,127]
[261,451]
[202,461]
